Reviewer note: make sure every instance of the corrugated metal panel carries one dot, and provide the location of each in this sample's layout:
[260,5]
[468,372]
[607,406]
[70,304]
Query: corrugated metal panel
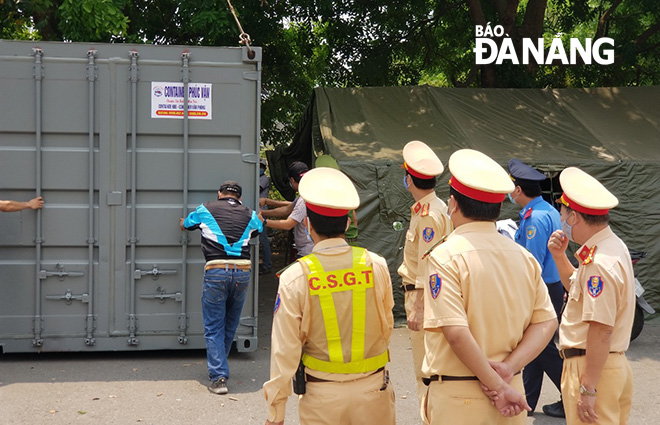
[104,266]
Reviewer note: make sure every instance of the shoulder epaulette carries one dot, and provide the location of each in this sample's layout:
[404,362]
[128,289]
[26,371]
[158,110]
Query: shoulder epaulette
[425,210]
[435,245]
[586,254]
[278,273]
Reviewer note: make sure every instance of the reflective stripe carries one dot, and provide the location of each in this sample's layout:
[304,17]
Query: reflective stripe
[359,309]
[323,284]
[366,365]
[330,321]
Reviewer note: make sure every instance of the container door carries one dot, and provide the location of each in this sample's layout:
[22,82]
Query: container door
[104,266]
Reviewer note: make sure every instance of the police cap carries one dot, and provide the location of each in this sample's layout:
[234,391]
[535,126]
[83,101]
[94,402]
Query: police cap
[328,192]
[326,161]
[479,177]
[420,160]
[584,193]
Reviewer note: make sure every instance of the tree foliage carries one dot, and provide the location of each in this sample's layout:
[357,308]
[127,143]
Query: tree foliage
[343,43]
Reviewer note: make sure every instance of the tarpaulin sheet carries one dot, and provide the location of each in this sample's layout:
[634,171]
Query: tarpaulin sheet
[611,133]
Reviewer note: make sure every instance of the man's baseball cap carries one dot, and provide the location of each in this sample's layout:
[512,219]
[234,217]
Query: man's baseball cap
[328,192]
[420,160]
[585,194]
[231,186]
[297,169]
[263,163]
[477,176]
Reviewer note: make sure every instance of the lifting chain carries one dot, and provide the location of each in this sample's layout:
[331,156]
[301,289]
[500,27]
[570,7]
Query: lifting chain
[243,38]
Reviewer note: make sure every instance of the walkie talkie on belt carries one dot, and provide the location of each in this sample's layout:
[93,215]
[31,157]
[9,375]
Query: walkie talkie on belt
[299,384]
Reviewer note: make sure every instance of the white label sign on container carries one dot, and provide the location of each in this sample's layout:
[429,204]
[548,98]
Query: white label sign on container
[167,100]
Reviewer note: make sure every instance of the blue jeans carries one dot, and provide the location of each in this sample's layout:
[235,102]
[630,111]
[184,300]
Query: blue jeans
[265,245]
[223,296]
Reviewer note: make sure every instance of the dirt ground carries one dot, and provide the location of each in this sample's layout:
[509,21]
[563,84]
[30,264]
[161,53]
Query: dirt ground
[170,386]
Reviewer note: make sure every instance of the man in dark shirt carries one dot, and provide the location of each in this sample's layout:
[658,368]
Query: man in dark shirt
[538,219]
[226,227]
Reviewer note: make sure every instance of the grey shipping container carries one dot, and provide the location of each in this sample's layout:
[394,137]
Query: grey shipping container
[120,140]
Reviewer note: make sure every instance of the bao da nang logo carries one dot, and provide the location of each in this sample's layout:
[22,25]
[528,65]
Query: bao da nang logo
[487,50]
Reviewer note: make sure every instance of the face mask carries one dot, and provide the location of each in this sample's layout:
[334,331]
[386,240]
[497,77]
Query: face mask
[449,212]
[405,181]
[512,199]
[567,229]
[307,232]
[262,171]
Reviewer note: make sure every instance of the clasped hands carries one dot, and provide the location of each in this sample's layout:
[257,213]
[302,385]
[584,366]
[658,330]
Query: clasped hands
[508,401]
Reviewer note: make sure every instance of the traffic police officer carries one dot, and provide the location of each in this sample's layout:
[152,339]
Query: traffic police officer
[333,309]
[538,219]
[429,224]
[484,301]
[596,324]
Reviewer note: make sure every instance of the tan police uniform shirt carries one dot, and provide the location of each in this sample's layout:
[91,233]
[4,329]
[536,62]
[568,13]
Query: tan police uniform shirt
[601,290]
[428,224]
[481,279]
[298,322]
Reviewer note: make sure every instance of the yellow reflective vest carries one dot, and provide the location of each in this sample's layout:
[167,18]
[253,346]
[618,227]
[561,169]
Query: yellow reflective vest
[322,284]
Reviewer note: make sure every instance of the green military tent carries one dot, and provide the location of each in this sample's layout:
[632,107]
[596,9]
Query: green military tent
[611,133]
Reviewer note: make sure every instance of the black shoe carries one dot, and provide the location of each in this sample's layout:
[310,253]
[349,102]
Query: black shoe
[263,270]
[219,386]
[556,409]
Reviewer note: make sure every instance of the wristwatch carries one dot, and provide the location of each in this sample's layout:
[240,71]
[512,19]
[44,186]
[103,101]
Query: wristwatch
[265,221]
[585,391]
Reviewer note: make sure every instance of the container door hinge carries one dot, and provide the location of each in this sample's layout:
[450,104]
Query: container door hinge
[183,326]
[37,329]
[251,75]
[250,158]
[132,328]
[90,327]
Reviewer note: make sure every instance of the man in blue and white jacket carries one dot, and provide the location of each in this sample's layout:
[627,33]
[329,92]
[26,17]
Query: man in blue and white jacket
[226,227]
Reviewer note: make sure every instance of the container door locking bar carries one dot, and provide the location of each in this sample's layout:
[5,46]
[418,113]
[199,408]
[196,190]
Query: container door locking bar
[59,272]
[68,297]
[162,296]
[155,272]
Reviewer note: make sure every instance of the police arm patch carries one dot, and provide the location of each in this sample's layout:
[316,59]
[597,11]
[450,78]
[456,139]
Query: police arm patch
[531,232]
[435,283]
[595,286]
[277,303]
[428,234]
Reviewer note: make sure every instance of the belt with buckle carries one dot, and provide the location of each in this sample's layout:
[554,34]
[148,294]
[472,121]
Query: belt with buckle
[427,381]
[575,352]
[227,265]
[443,378]
[572,352]
[310,378]
[408,288]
